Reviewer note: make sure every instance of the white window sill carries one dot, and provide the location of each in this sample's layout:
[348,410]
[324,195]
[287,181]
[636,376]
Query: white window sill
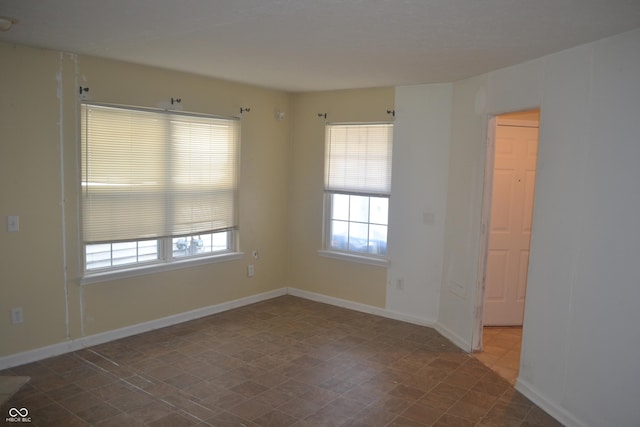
[353,257]
[124,273]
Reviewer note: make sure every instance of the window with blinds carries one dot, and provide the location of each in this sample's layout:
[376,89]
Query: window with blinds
[156,185]
[357,187]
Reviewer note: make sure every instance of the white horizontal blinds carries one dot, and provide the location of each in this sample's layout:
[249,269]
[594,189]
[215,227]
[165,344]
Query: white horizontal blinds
[205,156]
[144,173]
[123,174]
[358,158]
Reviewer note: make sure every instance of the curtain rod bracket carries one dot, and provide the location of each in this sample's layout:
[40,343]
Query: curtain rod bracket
[392,112]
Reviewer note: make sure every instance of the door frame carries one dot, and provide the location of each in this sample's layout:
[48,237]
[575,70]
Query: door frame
[487,194]
[487,198]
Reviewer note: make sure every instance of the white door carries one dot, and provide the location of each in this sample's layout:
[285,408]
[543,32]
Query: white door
[510,224]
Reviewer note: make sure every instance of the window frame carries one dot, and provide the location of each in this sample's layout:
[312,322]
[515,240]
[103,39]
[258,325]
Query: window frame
[166,259]
[345,254]
[329,251]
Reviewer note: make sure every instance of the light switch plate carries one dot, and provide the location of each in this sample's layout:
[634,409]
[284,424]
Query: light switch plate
[16,316]
[13,223]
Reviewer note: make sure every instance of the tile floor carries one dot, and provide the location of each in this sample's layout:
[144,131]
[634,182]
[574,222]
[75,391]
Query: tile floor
[502,351]
[282,362]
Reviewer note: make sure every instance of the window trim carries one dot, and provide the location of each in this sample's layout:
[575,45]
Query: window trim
[328,252]
[157,267]
[354,257]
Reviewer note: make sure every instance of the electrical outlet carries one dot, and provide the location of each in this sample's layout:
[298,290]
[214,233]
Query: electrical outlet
[16,316]
[250,271]
[400,284]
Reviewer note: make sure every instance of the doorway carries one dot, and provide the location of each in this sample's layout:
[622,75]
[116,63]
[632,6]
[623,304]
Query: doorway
[509,189]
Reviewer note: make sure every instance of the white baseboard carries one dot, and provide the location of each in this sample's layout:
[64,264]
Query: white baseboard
[364,308]
[557,412]
[41,353]
[383,312]
[453,337]
[91,340]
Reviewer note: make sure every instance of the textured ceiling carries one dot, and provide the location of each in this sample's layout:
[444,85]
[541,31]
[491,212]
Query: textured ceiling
[306,45]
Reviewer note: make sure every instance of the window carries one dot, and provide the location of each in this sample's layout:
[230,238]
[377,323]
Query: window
[157,187]
[357,188]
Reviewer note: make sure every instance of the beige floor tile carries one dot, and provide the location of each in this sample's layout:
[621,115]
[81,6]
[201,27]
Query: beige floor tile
[501,352]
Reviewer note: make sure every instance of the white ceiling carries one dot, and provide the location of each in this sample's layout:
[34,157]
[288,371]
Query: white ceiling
[307,45]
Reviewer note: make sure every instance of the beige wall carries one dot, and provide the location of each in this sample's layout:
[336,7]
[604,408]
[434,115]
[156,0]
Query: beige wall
[38,118]
[31,266]
[309,271]
[281,188]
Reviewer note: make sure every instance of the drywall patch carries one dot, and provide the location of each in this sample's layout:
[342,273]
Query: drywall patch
[60,95]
